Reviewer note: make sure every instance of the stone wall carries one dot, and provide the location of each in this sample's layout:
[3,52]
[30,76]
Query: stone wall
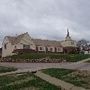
[43,60]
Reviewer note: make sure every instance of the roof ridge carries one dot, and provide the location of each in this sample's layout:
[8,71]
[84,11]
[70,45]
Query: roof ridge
[16,39]
[46,40]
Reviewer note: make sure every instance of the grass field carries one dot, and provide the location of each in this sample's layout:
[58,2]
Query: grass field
[24,81]
[6,69]
[67,57]
[78,78]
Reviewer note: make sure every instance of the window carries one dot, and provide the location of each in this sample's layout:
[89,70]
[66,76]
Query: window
[51,49]
[26,46]
[41,48]
[72,43]
[15,47]
[5,46]
[58,49]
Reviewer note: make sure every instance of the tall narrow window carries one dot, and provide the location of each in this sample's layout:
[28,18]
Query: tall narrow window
[59,49]
[5,46]
[15,47]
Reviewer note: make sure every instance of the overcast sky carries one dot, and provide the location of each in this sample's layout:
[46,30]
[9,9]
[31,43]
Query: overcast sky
[46,19]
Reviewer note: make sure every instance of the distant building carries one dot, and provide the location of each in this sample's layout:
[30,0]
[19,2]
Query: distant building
[86,49]
[11,45]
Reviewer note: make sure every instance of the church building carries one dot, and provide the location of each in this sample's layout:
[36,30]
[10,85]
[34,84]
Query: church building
[21,43]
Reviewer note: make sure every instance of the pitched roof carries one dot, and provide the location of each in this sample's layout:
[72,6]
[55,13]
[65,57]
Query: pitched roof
[15,39]
[40,42]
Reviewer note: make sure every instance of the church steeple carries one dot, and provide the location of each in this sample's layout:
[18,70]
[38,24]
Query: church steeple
[68,35]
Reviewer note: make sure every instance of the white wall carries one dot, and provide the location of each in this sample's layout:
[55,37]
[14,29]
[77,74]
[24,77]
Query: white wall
[69,43]
[27,40]
[8,50]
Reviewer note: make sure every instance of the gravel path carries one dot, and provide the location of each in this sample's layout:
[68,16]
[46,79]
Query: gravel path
[39,66]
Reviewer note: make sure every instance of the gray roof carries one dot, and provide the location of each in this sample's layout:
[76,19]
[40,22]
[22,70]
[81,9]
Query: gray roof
[40,42]
[15,39]
[37,42]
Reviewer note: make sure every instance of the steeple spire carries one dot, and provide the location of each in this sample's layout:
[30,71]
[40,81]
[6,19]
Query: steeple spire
[68,33]
[68,38]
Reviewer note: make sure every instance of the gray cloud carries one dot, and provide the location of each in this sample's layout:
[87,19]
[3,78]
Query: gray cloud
[47,19]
